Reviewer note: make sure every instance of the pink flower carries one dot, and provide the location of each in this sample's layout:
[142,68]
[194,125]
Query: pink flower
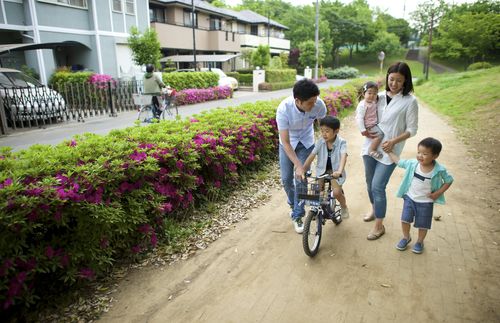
[136,249]
[86,273]
[49,252]
[72,143]
[154,240]
[166,207]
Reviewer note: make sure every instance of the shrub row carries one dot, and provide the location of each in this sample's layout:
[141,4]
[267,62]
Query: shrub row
[479,66]
[281,75]
[265,86]
[69,211]
[340,98]
[191,80]
[344,72]
[246,79]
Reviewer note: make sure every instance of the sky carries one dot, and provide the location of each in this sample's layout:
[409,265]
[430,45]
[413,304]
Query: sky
[396,8]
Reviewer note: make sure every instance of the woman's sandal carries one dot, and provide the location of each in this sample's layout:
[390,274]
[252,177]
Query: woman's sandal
[375,235]
[375,154]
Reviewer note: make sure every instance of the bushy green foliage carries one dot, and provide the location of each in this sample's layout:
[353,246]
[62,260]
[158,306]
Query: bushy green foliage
[71,210]
[344,72]
[261,56]
[65,77]
[245,79]
[266,86]
[280,75]
[236,75]
[245,71]
[340,99]
[479,66]
[146,48]
[386,42]
[191,80]
[275,63]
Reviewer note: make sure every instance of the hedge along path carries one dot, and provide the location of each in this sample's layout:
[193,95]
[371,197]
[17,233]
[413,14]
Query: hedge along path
[258,271]
[68,211]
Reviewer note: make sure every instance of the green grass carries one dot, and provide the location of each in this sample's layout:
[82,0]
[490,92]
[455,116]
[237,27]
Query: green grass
[370,66]
[457,95]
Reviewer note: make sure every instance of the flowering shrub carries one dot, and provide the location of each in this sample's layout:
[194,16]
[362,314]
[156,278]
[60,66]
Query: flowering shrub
[339,99]
[320,79]
[191,96]
[67,212]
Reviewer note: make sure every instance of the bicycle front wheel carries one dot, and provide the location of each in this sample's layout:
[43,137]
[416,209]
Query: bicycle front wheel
[311,237]
[145,114]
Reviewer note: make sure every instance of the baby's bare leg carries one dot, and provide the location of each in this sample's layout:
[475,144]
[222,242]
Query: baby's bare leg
[375,143]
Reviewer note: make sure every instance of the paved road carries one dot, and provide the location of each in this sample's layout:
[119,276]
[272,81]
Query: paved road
[102,125]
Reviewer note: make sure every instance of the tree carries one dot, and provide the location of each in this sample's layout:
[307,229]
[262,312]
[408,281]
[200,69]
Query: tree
[308,54]
[146,48]
[284,59]
[261,56]
[399,27]
[246,56]
[422,15]
[386,42]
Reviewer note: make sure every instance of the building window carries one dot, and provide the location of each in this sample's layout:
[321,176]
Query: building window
[254,30]
[117,5]
[157,14]
[187,19]
[241,29]
[130,7]
[215,23]
[73,3]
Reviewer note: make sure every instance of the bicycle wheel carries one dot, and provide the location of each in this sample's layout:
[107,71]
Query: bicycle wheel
[170,111]
[145,114]
[311,237]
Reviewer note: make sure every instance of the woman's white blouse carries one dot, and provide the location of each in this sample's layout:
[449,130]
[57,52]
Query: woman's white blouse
[400,115]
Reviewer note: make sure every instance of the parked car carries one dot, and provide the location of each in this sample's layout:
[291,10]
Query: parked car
[224,80]
[27,100]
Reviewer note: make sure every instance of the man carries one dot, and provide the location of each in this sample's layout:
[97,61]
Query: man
[153,85]
[295,117]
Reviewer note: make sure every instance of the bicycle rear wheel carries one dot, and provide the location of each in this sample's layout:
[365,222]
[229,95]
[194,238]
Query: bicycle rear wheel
[145,114]
[311,237]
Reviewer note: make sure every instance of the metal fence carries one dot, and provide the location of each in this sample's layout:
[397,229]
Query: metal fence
[29,107]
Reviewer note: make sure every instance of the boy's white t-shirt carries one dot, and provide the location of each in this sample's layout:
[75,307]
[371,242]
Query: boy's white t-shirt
[420,186]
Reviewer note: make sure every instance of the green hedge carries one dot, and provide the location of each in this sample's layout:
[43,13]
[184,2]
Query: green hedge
[64,77]
[479,66]
[344,72]
[72,210]
[245,71]
[246,79]
[191,80]
[281,75]
[236,75]
[276,86]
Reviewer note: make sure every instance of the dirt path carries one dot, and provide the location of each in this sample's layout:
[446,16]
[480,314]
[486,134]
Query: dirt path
[258,272]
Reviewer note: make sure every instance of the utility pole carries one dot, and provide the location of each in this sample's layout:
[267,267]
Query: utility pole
[194,34]
[428,62]
[268,30]
[316,39]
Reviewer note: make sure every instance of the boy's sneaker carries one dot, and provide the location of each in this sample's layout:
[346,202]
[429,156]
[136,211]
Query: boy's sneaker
[337,219]
[403,244]
[344,213]
[418,248]
[298,225]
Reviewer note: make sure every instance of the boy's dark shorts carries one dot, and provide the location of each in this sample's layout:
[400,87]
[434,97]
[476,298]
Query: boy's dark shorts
[421,212]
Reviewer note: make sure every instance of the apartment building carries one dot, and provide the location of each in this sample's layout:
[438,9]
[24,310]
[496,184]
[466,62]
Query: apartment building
[82,34]
[219,34]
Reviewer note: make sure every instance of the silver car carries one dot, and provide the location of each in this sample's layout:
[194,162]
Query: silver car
[26,100]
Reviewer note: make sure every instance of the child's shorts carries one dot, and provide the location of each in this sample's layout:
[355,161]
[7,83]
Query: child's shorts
[421,212]
[375,130]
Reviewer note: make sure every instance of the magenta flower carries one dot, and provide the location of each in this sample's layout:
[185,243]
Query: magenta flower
[86,273]
[136,249]
[166,207]
[6,183]
[72,143]
[179,164]
[154,240]
[138,156]
[49,252]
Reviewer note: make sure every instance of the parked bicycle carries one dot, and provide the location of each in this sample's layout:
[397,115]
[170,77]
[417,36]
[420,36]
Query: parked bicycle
[168,106]
[323,207]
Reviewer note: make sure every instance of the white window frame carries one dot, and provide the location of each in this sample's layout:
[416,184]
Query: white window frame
[129,3]
[57,2]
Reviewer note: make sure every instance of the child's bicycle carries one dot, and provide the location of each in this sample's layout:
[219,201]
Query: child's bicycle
[323,206]
[168,107]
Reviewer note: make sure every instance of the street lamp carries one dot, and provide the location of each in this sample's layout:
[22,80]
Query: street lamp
[316,39]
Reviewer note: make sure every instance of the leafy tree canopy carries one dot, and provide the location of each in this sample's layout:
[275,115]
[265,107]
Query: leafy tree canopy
[146,48]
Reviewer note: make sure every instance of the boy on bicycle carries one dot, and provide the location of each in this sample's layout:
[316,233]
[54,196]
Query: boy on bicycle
[331,150]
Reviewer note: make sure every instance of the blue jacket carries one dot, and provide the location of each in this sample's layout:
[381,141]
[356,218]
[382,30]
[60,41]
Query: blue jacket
[439,177]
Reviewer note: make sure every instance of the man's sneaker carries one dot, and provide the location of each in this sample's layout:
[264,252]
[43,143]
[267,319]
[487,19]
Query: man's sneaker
[298,225]
[344,213]
[418,247]
[403,243]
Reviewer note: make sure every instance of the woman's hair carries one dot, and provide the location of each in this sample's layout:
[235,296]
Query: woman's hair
[403,69]
[331,122]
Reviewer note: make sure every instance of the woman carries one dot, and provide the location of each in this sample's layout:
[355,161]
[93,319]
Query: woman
[398,119]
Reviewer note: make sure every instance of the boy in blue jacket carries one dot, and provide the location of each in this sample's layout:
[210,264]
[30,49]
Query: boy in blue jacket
[424,182]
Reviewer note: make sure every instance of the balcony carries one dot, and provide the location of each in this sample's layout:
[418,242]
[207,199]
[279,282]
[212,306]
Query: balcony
[276,44]
[181,37]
